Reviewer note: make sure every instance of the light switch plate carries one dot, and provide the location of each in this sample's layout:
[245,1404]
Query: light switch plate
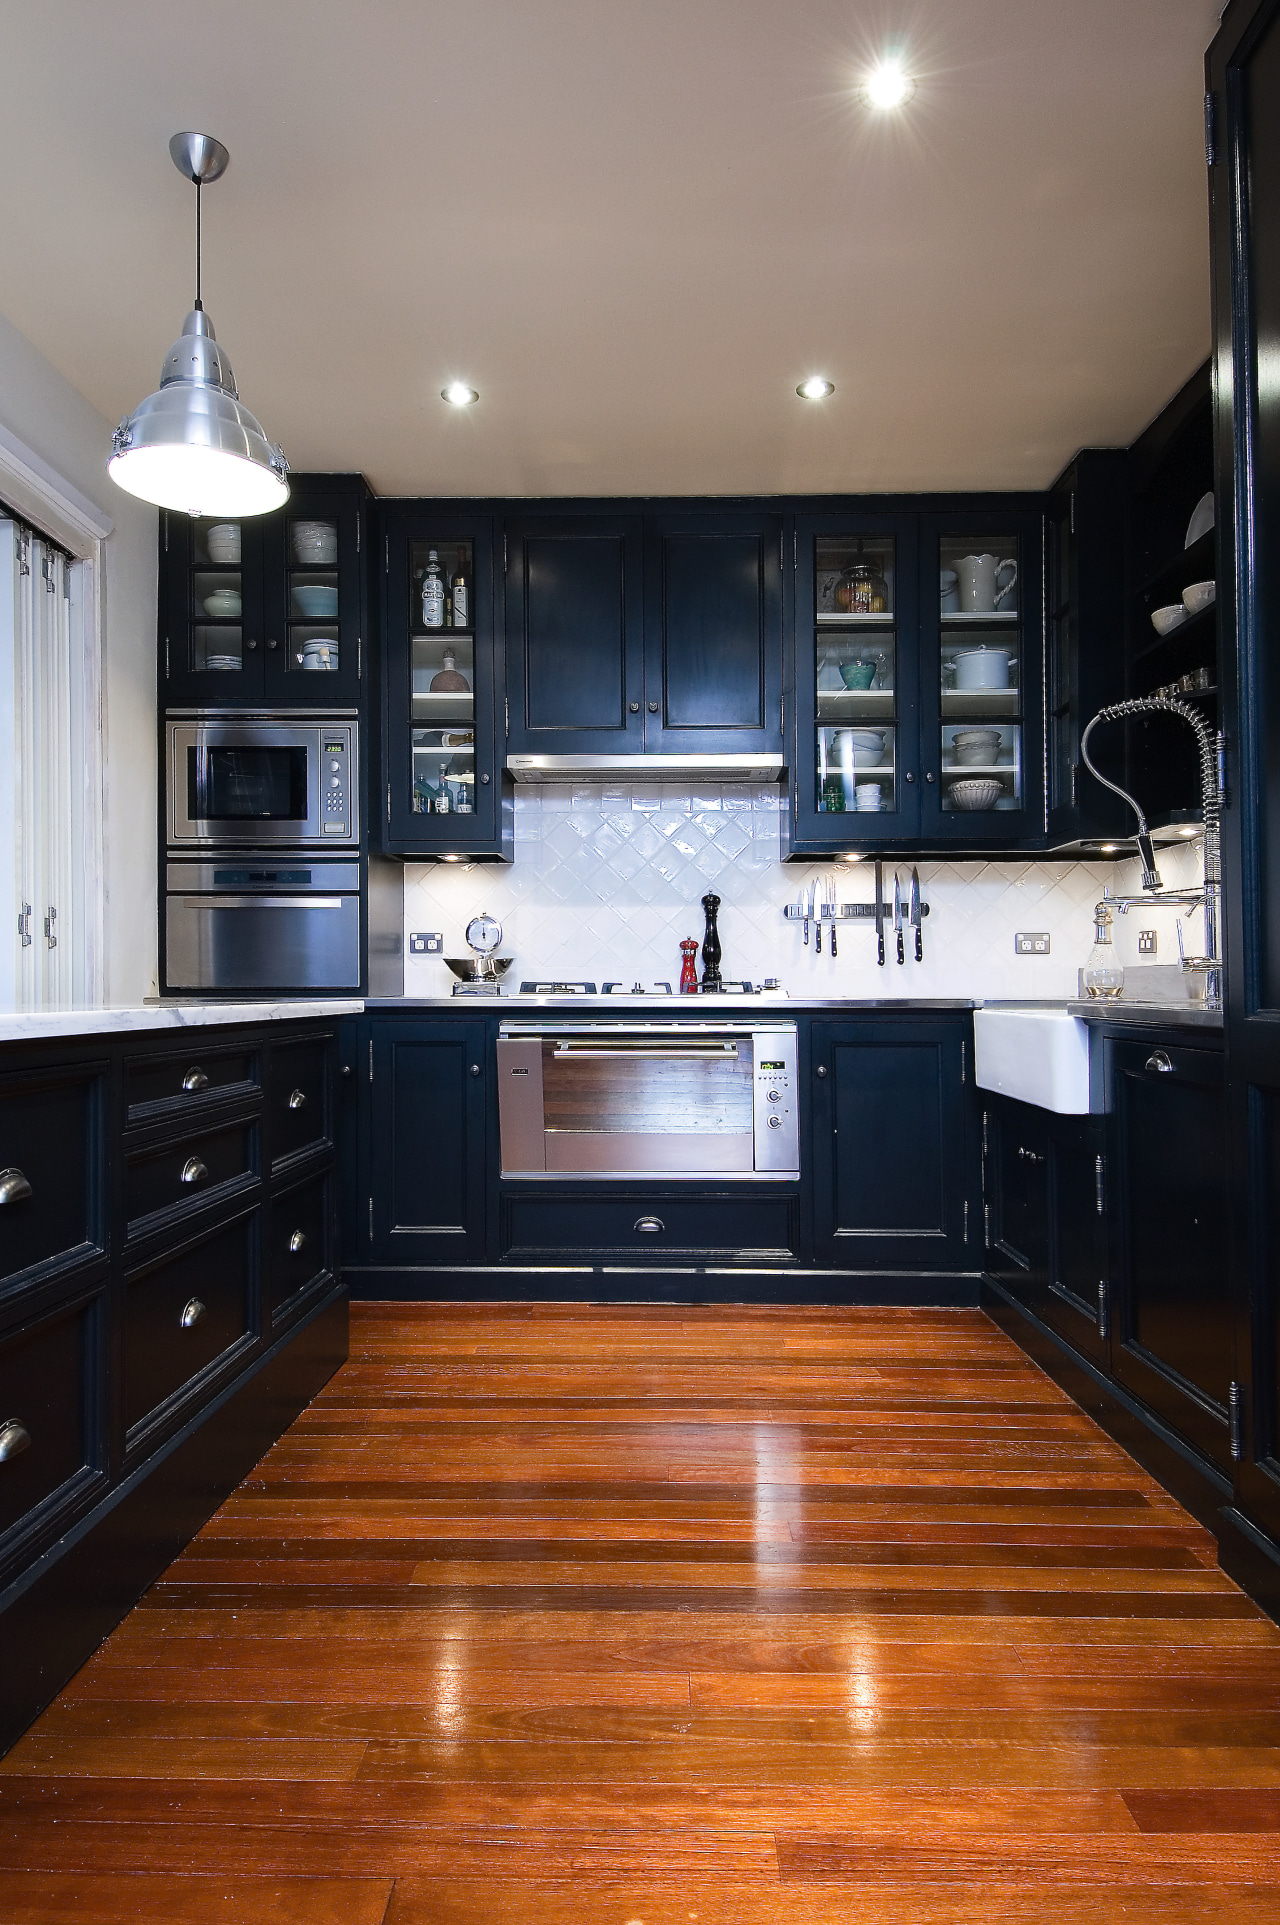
[426,942]
[1146,942]
[1031,942]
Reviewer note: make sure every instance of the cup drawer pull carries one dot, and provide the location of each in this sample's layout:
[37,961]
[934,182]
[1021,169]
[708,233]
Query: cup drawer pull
[14,1187]
[194,1171]
[1159,1060]
[14,1439]
[297,1243]
[650,1226]
[193,1312]
[298,1100]
[195,1079]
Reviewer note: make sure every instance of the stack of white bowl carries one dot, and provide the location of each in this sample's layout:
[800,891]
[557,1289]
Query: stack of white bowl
[315,544]
[975,748]
[223,544]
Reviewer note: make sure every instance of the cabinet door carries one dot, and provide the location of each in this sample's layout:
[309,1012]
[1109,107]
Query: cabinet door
[211,612]
[1085,561]
[855,763]
[981,687]
[427,1142]
[442,673]
[1172,1342]
[312,601]
[1016,1151]
[888,1145]
[575,616]
[713,634]
[1044,1231]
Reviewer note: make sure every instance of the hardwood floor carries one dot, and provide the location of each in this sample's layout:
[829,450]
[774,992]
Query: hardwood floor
[556,1615]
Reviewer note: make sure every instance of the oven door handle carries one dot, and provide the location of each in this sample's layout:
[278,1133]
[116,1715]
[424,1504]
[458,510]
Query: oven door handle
[648,1052]
[300,901]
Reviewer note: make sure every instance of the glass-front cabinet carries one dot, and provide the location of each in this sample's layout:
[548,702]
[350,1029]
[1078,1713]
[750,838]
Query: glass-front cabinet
[268,610]
[856,620]
[442,790]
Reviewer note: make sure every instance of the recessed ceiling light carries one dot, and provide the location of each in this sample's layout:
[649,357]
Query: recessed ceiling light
[887,86]
[816,388]
[459,395]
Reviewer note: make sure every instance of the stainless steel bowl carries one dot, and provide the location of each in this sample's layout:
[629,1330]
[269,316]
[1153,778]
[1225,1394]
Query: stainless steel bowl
[479,969]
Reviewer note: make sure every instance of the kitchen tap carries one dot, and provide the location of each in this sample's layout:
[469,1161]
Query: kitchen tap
[1209,896]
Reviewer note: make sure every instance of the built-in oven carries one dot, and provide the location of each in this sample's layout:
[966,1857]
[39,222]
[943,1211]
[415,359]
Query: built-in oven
[260,780]
[672,1100]
[287,923]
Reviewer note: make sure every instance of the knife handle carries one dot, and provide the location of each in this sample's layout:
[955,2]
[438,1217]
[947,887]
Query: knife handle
[880,943]
[919,945]
[902,954]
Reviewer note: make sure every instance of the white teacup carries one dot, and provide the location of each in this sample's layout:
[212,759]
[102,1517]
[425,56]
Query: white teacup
[978,585]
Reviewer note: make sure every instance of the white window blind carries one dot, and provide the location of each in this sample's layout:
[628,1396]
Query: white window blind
[48,776]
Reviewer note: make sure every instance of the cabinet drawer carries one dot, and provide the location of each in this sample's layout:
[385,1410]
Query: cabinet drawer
[184,1315]
[656,1226]
[51,1153]
[299,1103]
[182,1080]
[49,1423]
[298,1244]
[168,1177]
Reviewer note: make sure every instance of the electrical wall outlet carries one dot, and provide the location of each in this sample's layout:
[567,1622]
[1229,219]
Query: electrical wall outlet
[1031,942]
[1146,942]
[426,942]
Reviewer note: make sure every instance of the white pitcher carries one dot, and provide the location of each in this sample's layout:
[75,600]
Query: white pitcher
[978,583]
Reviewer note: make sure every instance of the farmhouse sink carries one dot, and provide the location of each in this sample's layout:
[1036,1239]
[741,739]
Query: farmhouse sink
[1039,1056]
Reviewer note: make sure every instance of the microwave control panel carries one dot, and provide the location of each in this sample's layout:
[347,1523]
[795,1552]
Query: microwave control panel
[335,783]
[777,1123]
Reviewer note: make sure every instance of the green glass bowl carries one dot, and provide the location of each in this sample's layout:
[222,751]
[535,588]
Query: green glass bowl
[857,674]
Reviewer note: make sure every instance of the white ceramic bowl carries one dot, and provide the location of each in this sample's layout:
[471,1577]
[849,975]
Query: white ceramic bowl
[971,755]
[219,664]
[1199,595]
[223,542]
[315,543]
[224,604]
[1165,620]
[316,600]
[870,741]
[980,793]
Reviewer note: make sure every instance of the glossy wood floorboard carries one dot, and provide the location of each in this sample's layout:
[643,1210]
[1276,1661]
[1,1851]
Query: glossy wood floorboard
[553,1615]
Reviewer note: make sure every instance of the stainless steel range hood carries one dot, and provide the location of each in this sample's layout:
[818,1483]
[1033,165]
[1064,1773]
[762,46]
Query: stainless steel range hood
[647,768]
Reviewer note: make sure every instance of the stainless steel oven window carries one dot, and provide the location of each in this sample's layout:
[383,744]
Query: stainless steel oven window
[246,783]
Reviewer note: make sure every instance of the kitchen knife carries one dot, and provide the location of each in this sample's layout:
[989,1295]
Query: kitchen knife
[831,897]
[818,890]
[915,913]
[879,917]
[897,916]
[806,896]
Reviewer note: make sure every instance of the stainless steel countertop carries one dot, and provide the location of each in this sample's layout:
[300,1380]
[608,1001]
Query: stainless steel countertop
[766,1005]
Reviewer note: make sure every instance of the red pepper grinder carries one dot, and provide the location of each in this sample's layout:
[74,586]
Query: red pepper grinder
[688,968]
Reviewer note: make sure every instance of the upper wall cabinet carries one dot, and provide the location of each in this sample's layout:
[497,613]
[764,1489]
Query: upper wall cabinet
[919,706]
[1087,515]
[266,612]
[658,633]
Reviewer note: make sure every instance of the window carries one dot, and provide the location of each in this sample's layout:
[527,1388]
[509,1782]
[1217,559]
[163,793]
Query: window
[49,818]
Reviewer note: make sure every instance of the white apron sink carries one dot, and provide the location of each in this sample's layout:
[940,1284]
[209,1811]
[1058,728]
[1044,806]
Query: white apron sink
[1039,1056]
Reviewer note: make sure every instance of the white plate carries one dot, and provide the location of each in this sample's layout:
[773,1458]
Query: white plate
[1201,519]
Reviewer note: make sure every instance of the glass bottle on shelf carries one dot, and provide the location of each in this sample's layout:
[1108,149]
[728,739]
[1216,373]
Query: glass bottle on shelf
[447,680]
[1102,976]
[459,601]
[433,593]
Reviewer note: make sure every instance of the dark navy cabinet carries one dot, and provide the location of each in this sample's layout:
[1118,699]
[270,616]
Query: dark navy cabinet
[1085,581]
[889,1144]
[425,1193]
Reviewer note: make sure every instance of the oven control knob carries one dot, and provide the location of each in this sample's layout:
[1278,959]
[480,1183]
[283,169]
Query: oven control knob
[335,781]
[335,766]
[775,1122]
[775,1096]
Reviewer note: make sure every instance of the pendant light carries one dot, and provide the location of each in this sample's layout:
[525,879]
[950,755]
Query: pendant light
[193,445]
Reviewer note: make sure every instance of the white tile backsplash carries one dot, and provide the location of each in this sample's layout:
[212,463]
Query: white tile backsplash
[606,881]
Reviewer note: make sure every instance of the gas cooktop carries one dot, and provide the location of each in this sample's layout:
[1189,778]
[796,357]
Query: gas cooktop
[770,988]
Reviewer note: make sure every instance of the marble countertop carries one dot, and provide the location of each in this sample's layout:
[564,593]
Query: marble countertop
[44,1025]
[763,1005]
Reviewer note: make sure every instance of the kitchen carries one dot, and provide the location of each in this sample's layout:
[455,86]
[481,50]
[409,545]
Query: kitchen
[661,1278]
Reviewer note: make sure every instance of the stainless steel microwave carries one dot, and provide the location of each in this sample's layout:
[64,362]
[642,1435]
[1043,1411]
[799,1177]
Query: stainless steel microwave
[258,780]
[670,1100]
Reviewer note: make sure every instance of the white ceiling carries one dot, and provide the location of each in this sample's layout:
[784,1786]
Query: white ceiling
[634,225]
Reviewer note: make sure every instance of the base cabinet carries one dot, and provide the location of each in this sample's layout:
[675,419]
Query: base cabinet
[425,1145]
[1042,1210]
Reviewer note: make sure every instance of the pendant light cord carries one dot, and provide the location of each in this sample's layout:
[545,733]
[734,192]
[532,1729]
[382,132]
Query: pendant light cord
[199,302]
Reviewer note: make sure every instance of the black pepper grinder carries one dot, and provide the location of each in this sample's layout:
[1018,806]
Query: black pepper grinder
[711,948]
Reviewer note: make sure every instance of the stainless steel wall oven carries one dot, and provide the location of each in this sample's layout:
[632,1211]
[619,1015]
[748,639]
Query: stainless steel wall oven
[671,1100]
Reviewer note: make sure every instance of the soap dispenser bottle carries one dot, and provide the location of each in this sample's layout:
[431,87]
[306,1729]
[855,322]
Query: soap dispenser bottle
[1102,975]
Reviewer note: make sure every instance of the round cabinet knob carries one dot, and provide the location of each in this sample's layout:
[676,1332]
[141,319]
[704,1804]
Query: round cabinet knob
[475,1069]
[194,1171]
[1160,1062]
[346,1069]
[193,1312]
[484,781]
[929,776]
[14,1187]
[650,1226]
[909,777]
[634,707]
[821,1069]
[297,1243]
[14,1439]
[653,708]
[251,646]
[195,1079]
[298,1100]
[272,642]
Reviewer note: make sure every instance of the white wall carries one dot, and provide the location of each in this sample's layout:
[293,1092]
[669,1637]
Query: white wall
[40,407]
[606,881]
